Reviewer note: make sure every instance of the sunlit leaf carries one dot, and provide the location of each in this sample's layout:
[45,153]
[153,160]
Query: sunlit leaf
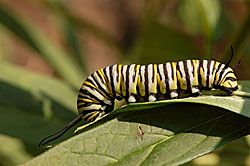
[171,132]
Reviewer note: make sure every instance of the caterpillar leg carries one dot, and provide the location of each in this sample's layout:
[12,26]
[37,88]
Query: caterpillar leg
[152,98]
[229,92]
[131,99]
[174,94]
[195,92]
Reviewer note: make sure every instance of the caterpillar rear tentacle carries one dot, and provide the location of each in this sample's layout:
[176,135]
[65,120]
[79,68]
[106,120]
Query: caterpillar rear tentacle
[143,83]
[60,132]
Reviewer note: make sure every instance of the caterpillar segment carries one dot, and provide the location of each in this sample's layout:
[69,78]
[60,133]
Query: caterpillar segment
[143,83]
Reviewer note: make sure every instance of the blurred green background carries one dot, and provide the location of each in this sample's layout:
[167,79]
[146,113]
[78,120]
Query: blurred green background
[48,47]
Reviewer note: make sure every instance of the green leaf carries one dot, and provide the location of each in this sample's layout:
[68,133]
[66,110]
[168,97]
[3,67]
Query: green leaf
[12,151]
[171,132]
[32,106]
[223,156]
[72,40]
[62,63]
[38,85]
[200,16]
[158,43]
[68,30]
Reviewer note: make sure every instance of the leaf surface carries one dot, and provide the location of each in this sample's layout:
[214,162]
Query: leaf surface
[171,132]
[32,106]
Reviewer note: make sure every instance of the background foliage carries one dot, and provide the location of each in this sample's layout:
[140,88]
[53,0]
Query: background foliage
[48,47]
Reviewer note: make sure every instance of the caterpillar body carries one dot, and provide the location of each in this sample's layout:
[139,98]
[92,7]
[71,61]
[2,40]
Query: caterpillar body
[143,83]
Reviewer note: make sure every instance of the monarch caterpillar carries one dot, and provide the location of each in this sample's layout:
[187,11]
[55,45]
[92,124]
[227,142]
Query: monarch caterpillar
[139,83]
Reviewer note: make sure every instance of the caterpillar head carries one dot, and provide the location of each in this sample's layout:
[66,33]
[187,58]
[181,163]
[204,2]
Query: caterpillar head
[93,111]
[91,108]
[228,82]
